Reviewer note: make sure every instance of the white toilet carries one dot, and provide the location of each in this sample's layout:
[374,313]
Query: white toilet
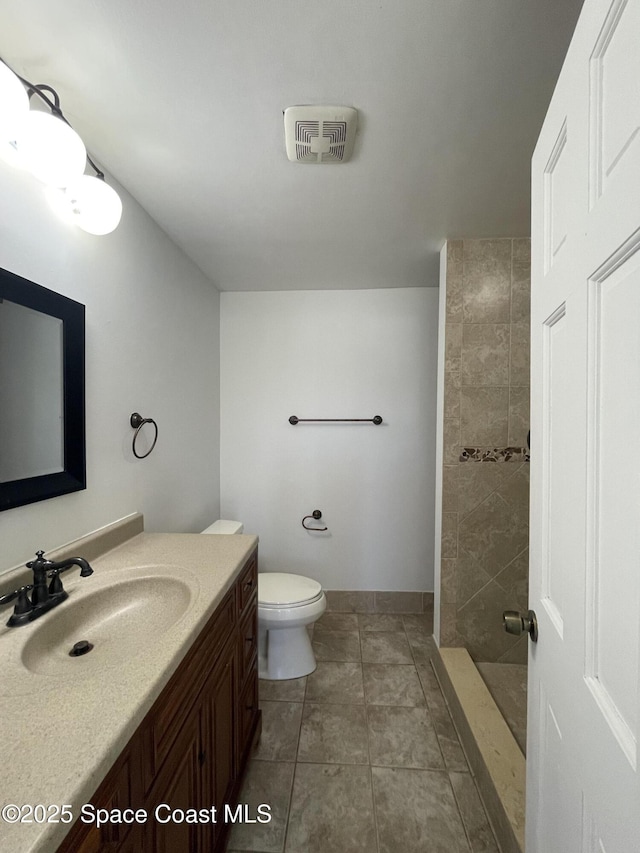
[286,605]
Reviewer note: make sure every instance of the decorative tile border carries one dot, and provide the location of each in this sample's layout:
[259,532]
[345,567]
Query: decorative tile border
[495,454]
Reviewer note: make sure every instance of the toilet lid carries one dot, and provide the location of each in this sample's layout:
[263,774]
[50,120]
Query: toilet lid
[285,590]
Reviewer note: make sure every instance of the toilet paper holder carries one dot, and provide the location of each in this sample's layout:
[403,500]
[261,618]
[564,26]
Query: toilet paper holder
[316,514]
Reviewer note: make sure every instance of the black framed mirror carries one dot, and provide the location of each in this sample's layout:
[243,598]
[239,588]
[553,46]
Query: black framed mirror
[42,393]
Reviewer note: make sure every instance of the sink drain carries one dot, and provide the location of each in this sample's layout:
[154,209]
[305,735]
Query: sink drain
[82,647]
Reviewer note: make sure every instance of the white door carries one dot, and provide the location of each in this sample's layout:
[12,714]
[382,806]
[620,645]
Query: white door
[583,790]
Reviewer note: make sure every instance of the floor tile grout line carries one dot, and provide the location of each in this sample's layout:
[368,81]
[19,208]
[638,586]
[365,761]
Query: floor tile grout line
[462,820]
[289,802]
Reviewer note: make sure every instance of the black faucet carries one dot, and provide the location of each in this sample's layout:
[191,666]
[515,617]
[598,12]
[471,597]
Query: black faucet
[43,597]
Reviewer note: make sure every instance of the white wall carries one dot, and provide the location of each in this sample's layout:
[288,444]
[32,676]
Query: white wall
[333,354]
[152,321]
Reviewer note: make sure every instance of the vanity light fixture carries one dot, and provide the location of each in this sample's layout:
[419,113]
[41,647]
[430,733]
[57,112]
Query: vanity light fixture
[45,144]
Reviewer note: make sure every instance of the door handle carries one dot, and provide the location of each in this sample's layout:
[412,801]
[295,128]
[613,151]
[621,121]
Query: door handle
[515,622]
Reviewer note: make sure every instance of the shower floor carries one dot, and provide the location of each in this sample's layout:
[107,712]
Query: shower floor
[507,683]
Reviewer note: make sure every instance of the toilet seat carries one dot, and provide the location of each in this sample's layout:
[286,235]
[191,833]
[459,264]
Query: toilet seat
[280,589]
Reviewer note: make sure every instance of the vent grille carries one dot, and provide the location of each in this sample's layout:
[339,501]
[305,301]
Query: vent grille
[320,140]
[313,138]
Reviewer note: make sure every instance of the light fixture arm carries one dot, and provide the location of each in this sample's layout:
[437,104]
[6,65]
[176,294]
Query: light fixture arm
[54,105]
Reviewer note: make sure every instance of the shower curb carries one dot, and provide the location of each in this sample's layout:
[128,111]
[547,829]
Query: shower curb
[492,751]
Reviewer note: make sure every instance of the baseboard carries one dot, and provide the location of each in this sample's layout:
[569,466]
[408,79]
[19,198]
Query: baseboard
[378,601]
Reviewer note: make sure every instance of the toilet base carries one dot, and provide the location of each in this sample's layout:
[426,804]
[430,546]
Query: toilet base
[285,653]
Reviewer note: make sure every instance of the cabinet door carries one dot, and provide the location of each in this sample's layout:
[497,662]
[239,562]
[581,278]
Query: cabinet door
[179,788]
[218,724]
[117,793]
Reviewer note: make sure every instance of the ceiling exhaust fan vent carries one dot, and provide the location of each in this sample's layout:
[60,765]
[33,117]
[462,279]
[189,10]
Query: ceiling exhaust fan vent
[319,134]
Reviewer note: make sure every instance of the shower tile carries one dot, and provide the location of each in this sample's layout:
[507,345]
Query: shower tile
[514,580]
[336,645]
[473,814]
[448,570]
[265,782]
[280,730]
[521,281]
[450,479]
[380,622]
[452,347]
[486,285]
[519,415]
[389,684]
[470,578]
[291,690]
[452,383]
[485,354]
[350,601]
[519,371]
[331,810]
[484,416]
[515,492]
[398,602]
[454,281]
[448,630]
[480,623]
[336,682]
[449,541]
[451,441]
[454,251]
[518,653]
[416,812]
[493,534]
[333,734]
[402,737]
[338,621]
[385,647]
[476,481]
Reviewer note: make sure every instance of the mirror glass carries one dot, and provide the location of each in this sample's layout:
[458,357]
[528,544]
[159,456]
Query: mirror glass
[42,446]
[31,393]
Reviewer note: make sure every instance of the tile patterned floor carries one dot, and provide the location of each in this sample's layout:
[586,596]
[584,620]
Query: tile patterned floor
[361,756]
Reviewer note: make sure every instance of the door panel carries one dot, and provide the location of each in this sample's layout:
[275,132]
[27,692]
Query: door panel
[583,790]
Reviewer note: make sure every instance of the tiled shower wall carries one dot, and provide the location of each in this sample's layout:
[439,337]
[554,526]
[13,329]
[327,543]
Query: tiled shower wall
[485,500]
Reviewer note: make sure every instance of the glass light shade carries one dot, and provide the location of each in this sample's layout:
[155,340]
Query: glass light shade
[50,149]
[92,205]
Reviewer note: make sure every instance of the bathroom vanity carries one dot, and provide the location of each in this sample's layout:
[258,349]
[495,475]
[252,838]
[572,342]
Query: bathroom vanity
[158,738]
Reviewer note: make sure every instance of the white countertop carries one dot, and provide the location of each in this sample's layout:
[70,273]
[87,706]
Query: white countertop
[61,735]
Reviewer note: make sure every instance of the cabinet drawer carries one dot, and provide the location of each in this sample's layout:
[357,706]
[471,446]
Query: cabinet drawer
[172,708]
[247,584]
[248,641]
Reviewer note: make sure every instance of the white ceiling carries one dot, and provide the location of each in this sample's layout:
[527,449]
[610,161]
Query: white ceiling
[182,100]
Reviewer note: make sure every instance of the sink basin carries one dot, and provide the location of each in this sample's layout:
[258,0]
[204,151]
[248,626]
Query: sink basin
[117,620]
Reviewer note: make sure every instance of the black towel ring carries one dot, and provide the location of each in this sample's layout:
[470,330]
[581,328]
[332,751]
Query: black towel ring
[137,422]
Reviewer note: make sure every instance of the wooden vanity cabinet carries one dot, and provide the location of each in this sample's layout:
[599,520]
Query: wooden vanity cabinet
[191,749]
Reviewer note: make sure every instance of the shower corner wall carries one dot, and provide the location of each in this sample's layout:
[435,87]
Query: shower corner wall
[485,472]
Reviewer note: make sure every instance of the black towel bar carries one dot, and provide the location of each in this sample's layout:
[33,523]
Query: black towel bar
[377,420]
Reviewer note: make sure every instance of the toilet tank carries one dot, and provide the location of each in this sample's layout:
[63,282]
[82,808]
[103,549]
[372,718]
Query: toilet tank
[223,526]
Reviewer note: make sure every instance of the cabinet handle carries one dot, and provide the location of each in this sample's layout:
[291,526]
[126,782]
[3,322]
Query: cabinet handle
[249,639]
[202,757]
[249,583]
